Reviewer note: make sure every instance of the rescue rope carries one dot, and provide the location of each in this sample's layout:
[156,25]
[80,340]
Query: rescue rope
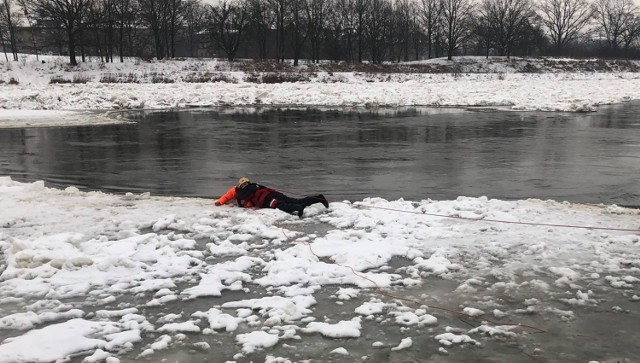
[540,224]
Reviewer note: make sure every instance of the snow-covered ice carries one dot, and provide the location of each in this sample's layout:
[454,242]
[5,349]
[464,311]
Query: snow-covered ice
[66,251]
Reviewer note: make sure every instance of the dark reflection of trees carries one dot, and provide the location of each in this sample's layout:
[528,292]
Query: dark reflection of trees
[287,128]
[15,152]
[451,132]
[162,147]
[383,134]
[167,141]
[93,155]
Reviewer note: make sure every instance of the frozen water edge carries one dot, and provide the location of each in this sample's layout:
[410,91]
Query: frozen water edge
[179,279]
[10,119]
[54,118]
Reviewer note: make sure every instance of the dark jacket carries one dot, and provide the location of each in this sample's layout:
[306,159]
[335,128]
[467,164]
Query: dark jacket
[254,195]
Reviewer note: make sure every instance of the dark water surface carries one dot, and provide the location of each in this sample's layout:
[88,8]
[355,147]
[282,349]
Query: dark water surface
[347,154]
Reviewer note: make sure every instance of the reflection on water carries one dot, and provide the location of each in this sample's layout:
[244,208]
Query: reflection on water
[348,154]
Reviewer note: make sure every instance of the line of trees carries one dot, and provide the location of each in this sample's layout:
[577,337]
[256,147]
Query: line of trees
[338,30]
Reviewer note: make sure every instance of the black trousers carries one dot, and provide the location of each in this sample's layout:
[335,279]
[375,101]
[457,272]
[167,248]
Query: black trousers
[288,204]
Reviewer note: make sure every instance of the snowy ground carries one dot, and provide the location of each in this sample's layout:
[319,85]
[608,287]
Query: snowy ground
[201,83]
[83,272]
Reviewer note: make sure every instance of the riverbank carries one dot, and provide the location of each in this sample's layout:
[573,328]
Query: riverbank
[516,84]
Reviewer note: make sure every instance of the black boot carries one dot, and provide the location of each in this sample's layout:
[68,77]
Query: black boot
[323,200]
[307,201]
[300,211]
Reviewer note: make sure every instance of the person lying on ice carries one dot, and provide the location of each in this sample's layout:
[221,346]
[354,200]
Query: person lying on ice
[249,195]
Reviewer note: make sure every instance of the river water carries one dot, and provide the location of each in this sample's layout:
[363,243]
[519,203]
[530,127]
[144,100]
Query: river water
[345,154]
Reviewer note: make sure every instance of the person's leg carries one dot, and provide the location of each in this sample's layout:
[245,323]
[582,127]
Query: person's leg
[307,201]
[294,205]
[285,203]
[291,208]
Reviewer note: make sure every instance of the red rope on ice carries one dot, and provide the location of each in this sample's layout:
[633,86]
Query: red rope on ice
[541,224]
[497,220]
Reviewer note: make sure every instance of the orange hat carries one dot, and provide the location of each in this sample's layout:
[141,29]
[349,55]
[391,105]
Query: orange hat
[243,180]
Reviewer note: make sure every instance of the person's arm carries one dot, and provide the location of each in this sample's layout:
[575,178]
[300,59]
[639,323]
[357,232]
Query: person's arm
[228,196]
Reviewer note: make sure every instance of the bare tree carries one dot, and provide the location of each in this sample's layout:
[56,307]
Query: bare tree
[164,18]
[378,29]
[229,21]
[70,14]
[351,30]
[532,39]
[482,28]
[31,23]
[154,13]
[124,12]
[344,22]
[614,17]
[175,11]
[101,18]
[261,20]
[508,21]
[317,11]
[334,35]
[133,24]
[280,10]
[7,23]
[94,16]
[361,8]
[110,24]
[403,15]
[430,13]
[631,32]
[2,36]
[297,28]
[565,19]
[417,36]
[194,21]
[457,21]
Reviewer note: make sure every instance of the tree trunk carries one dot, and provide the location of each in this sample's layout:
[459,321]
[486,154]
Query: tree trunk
[14,44]
[158,38]
[429,44]
[35,46]
[349,48]
[72,47]
[4,47]
[121,43]
[110,43]
[360,45]
[173,39]
[82,52]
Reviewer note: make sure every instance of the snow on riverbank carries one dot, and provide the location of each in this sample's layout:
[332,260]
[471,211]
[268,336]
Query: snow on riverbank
[68,255]
[179,86]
